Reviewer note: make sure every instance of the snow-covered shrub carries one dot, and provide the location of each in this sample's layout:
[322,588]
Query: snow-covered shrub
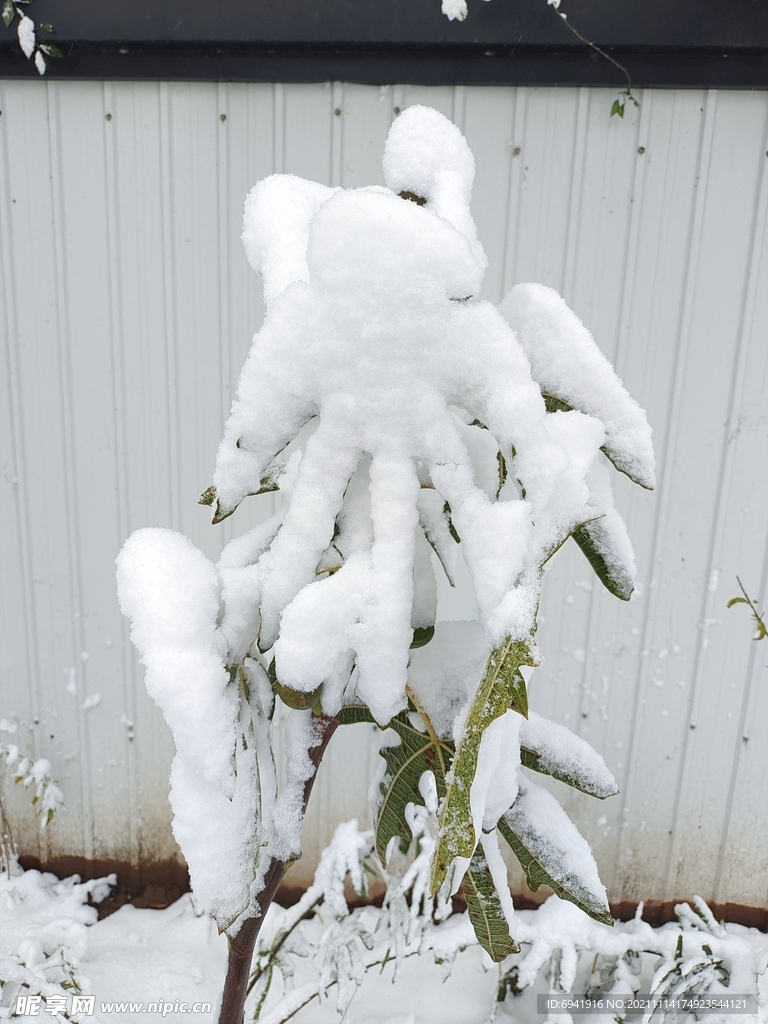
[298,959]
[400,418]
[47,798]
[44,926]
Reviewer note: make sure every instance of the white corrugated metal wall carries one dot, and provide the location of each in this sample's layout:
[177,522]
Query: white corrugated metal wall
[127,309]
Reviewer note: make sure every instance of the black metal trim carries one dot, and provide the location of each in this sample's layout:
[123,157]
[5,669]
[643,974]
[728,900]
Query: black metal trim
[662,43]
[468,65]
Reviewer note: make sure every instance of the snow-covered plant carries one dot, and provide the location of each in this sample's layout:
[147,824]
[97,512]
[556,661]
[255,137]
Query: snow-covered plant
[44,926]
[694,957]
[47,798]
[399,417]
[328,957]
[27,34]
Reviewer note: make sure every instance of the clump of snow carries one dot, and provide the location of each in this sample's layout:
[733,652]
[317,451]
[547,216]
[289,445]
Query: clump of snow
[169,590]
[276,219]
[454,10]
[443,674]
[427,156]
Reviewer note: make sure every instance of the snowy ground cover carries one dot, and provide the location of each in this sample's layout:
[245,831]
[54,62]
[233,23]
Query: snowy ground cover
[389,965]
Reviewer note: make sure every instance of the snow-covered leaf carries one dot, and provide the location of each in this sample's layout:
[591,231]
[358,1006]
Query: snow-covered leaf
[554,750]
[568,366]
[9,12]
[435,521]
[552,852]
[26,33]
[485,911]
[502,688]
[596,542]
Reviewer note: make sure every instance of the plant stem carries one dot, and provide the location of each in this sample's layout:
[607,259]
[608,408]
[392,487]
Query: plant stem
[242,944]
[758,617]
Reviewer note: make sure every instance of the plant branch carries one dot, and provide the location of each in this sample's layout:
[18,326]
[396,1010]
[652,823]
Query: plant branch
[594,46]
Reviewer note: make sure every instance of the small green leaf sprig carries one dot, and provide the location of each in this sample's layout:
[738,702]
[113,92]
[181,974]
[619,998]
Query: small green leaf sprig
[760,628]
[30,47]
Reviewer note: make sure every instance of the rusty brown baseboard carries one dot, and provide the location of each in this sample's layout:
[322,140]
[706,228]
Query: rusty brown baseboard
[158,884]
[154,885]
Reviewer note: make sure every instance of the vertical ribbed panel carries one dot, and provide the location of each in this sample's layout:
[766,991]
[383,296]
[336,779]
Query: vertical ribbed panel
[127,309]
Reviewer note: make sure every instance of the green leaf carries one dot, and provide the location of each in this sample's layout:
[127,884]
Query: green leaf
[761,631]
[541,835]
[554,404]
[9,12]
[595,541]
[617,108]
[50,50]
[485,911]
[299,700]
[416,753]
[501,688]
[737,600]
[208,496]
[353,714]
[421,636]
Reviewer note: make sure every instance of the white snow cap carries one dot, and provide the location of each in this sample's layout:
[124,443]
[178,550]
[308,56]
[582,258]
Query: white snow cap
[276,220]
[428,156]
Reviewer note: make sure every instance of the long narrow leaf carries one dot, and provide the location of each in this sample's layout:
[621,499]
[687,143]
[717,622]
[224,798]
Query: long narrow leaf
[485,911]
[501,688]
[552,852]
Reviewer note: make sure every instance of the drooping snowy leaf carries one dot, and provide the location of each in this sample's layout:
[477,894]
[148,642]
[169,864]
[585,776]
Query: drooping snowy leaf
[502,688]
[485,911]
[435,521]
[26,33]
[552,852]
[554,750]
[605,541]
[569,366]
[595,540]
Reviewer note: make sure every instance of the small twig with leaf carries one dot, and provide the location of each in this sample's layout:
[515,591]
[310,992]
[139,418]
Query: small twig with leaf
[760,628]
[27,34]
[626,94]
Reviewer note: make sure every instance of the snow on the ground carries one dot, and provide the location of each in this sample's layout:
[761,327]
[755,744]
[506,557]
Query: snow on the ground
[175,956]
